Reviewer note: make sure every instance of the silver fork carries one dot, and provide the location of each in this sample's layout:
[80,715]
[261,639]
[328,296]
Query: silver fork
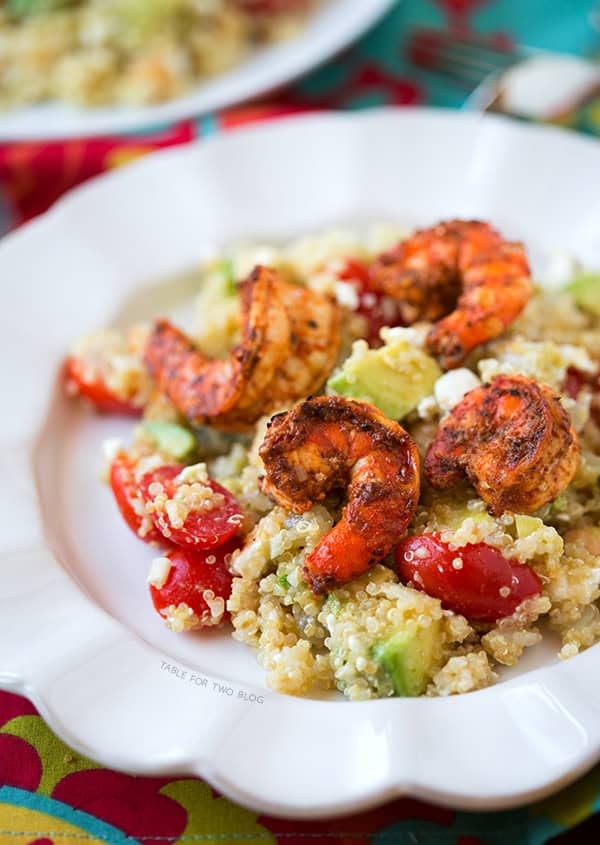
[493,71]
[466,59]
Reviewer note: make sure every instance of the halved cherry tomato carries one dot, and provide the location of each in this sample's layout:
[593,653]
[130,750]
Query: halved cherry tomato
[129,499]
[574,382]
[88,382]
[202,528]
[199,580]
[475,580]
[378,310]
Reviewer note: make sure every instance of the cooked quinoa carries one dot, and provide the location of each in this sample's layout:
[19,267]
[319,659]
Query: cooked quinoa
[306,642]
[94,52]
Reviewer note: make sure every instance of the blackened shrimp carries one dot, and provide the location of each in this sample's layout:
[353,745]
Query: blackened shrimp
[461,275]
[284,353]
[330,443]
[514,442]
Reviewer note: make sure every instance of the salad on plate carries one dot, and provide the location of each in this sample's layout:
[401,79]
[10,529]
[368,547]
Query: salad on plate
[133,52]
[374,458]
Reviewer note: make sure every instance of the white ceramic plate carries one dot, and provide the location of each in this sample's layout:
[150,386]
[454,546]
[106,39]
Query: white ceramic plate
[77,631]
[334,25]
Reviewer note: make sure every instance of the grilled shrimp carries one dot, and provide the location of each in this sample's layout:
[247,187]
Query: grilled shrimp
[290,340]
[514,442]
[463,275]
[328,443]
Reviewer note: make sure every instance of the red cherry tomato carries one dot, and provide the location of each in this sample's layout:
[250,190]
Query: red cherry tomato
[201,581]
[378,310]
[129,500]
[88,382]
[574,382]
[475,580]
[202,528]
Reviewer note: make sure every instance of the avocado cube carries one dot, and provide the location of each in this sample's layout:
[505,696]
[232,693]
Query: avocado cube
[585,290]
[171,439]
[394,378]
[408,658]
[527,525]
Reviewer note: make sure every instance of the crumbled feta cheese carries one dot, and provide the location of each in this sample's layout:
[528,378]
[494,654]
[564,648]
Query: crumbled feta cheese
[427,409]
[415,335]
[560,269]
[346,295]
[159,572]
[450,388]
[247,257]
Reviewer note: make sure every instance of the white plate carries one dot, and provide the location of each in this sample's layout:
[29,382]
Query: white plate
[334,25]
[77,632]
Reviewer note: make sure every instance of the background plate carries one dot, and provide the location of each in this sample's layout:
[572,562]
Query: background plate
[331,27]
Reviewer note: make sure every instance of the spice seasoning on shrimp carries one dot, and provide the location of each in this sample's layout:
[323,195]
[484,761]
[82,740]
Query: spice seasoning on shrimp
[329,442]
[512,439]
[463,276]
[290,340]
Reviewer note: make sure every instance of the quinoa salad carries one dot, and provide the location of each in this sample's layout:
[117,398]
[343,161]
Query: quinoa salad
[97,52]
[373,456]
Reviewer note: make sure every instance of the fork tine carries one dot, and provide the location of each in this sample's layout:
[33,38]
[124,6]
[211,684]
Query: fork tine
[466,61]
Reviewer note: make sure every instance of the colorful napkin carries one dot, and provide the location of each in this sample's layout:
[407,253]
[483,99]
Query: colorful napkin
[49,795]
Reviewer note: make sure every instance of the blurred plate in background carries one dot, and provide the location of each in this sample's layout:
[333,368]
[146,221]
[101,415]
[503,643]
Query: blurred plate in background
[333,26]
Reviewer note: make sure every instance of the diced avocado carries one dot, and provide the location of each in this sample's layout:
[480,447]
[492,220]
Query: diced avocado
[171,439]
[394,378]
[219,280]
[585,290]
[226,270]
[561,503]
[527,525]
[408,659]
[25,8]
[212,442]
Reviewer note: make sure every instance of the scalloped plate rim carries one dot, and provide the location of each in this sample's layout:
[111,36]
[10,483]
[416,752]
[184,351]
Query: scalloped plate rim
[398,786]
